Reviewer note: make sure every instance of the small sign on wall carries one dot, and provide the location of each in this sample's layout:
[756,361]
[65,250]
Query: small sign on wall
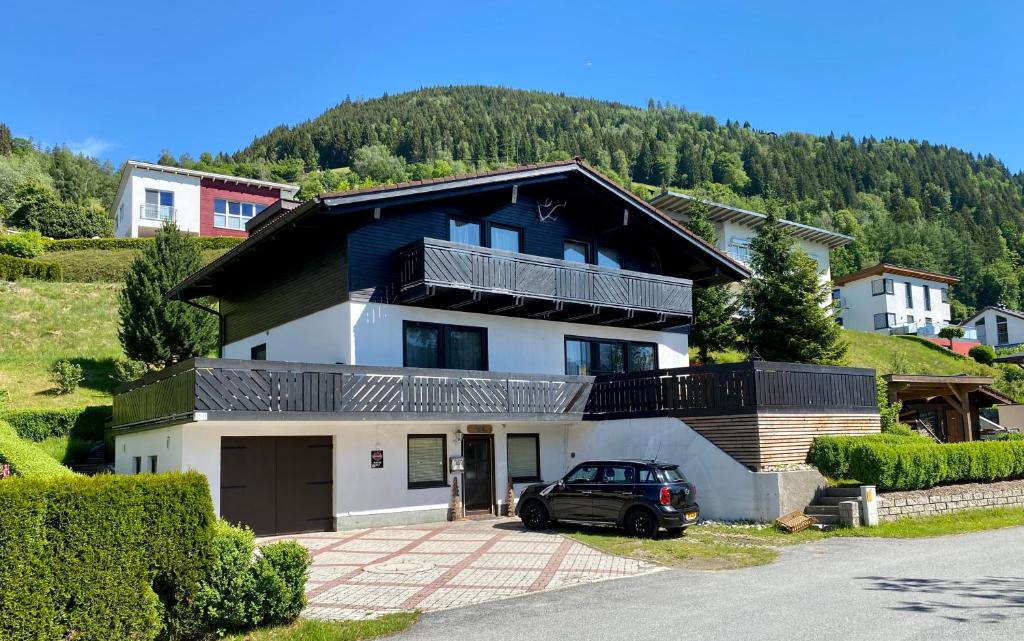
[456,464]
[376,459]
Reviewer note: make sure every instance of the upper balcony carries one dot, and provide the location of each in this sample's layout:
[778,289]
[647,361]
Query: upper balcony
[438,273]
[158,213]
[205,389]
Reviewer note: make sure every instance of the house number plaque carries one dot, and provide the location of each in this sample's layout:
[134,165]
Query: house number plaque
[376,459]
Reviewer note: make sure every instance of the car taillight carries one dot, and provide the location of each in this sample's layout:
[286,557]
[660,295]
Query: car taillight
[666,496]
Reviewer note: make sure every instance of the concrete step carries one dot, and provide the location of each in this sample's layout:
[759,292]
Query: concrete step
[815,510]
[842,491]
[826,519]
[833,500]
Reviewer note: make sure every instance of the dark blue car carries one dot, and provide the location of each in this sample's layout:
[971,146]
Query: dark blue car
[640,496]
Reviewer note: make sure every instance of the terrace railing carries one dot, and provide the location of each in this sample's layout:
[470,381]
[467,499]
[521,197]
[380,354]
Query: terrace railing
[739,388]
[224,389]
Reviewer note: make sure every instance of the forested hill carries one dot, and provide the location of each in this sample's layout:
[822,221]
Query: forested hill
[920,204]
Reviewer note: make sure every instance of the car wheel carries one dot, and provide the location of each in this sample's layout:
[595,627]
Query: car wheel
[534,515]
[641,523]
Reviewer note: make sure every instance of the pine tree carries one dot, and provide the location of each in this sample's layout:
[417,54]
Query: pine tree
[153,329]
[784,318]
[714,307]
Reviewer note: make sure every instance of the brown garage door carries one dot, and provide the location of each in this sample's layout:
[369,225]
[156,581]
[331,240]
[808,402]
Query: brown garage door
[277,484]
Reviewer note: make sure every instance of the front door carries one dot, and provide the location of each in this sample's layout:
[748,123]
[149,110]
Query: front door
[954,426]
[479,476]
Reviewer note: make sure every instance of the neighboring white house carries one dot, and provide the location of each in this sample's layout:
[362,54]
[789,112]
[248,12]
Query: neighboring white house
[199,202]
[894,300]
[735,228]
[997,326]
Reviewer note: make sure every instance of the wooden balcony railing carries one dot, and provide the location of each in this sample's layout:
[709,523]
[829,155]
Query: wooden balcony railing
[739,388]
[224,389]
[429,265]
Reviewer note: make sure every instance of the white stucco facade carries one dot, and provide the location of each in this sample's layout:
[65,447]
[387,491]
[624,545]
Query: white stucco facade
[734,238]
[997,327]
[924,311]
[355,333]
[130,219]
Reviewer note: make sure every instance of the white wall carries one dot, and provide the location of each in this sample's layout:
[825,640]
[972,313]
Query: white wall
[374,337]
[186,202]
[164,442]
[1014,327]
[727,231]
[862,305]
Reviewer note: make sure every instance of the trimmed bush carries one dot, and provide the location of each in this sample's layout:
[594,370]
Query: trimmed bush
[244,590]
[127,370]
[984,354]
[1010,436]
[65,376]
[74,244]
[12,268]
[901,463]
[37,425]
[103,265]
[27,244]
[26,458]
[103,558]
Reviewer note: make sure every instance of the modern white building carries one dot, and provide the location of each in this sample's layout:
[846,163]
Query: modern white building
[997,326]
[891,299]
[735,228]
[384,345]
[198,202]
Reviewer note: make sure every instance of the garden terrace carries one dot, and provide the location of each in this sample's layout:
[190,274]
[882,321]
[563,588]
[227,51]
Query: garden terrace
[225,389]
[761,413]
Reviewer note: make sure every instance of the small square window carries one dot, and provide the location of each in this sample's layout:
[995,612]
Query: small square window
[258,352]
[427,458]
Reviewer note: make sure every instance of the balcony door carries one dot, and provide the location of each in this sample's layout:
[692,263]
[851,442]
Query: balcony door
[159,205]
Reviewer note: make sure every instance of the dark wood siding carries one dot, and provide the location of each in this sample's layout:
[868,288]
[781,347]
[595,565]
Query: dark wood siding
[372,247]
[295,281]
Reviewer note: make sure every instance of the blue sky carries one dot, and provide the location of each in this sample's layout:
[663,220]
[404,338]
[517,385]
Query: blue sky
[124,80]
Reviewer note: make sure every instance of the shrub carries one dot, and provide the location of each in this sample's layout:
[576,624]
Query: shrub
[26,458]
[1010,436]
[104,265]
[106,244]
[984,354]
[13,268]
[43,211]
[40,424]
[104,557]
[66,376]
[243,590]
[127,370]
[24,245]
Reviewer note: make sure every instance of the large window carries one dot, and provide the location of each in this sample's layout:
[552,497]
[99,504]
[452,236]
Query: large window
[524,457]
[505,238]
[592,357]
[979,327]
[881,286]
[910,296]
[159,205]
[427,456]
[739,248]
[576,252]
[944,294]
[883,321]
[927,298]
[608,257]
[446,346]
[1002,331]
[233,214]
[467,232]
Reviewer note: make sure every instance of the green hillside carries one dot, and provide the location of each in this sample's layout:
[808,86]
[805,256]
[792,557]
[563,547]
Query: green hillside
[893,354]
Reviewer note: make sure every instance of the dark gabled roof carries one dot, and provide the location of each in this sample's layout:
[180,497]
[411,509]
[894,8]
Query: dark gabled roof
[889,268]
[273,219]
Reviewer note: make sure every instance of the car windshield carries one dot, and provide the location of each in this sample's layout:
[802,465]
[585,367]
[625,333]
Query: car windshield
[585,474]
[672,475]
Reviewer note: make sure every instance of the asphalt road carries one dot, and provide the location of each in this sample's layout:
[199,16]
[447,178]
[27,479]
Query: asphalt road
[958,587]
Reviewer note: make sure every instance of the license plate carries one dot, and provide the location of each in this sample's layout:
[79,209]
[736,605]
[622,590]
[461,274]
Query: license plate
[690,516]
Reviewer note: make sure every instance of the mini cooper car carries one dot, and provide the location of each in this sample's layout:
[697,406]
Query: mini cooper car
[639,496]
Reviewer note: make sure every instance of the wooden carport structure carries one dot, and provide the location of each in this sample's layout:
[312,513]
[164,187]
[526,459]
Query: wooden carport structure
[953,401]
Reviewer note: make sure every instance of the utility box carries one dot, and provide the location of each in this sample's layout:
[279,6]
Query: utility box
[868,505]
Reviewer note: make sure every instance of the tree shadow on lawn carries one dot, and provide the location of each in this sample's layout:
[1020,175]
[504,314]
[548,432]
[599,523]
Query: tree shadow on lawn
[98,374]
[984,600]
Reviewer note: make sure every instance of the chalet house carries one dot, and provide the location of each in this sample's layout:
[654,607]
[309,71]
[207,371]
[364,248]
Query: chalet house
[735,228]
[380,346]
[997,326]
[891,299]
[198,202]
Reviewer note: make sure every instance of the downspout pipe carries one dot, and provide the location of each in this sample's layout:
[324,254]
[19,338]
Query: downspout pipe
[220,324]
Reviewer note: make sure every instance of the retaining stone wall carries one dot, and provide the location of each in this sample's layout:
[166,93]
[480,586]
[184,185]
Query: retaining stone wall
[951,498]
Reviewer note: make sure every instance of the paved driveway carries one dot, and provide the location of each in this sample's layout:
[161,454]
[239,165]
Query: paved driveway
[958,587]
[362,573]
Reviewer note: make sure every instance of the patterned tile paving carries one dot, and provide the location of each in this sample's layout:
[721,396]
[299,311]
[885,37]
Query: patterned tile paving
[365,573]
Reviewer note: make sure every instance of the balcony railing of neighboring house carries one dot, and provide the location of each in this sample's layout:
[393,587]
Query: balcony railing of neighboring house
[931,330]
[429,267]
[162,213]
[225,389]
[735,388]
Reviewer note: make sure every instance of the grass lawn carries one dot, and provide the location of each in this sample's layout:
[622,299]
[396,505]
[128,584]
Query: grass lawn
[723,547]
[41,322]
[313,630]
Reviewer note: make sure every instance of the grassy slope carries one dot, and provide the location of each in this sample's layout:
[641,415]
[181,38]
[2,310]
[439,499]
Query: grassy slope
[41,322]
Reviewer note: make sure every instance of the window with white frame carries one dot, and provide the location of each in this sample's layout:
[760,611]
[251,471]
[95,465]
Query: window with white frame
[739,248]
[524,457]
[233,214]
[159,205]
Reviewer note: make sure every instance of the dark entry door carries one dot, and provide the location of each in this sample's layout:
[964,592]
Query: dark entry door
[277,484]
[479,466]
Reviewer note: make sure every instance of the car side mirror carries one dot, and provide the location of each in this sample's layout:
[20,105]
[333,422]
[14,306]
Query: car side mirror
[561,484]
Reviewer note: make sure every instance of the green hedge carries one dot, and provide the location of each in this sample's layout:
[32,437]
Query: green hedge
[103,265]
[914,463]
[74,244]
[104,558]
[39,424]
[26,458]
[13,268]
